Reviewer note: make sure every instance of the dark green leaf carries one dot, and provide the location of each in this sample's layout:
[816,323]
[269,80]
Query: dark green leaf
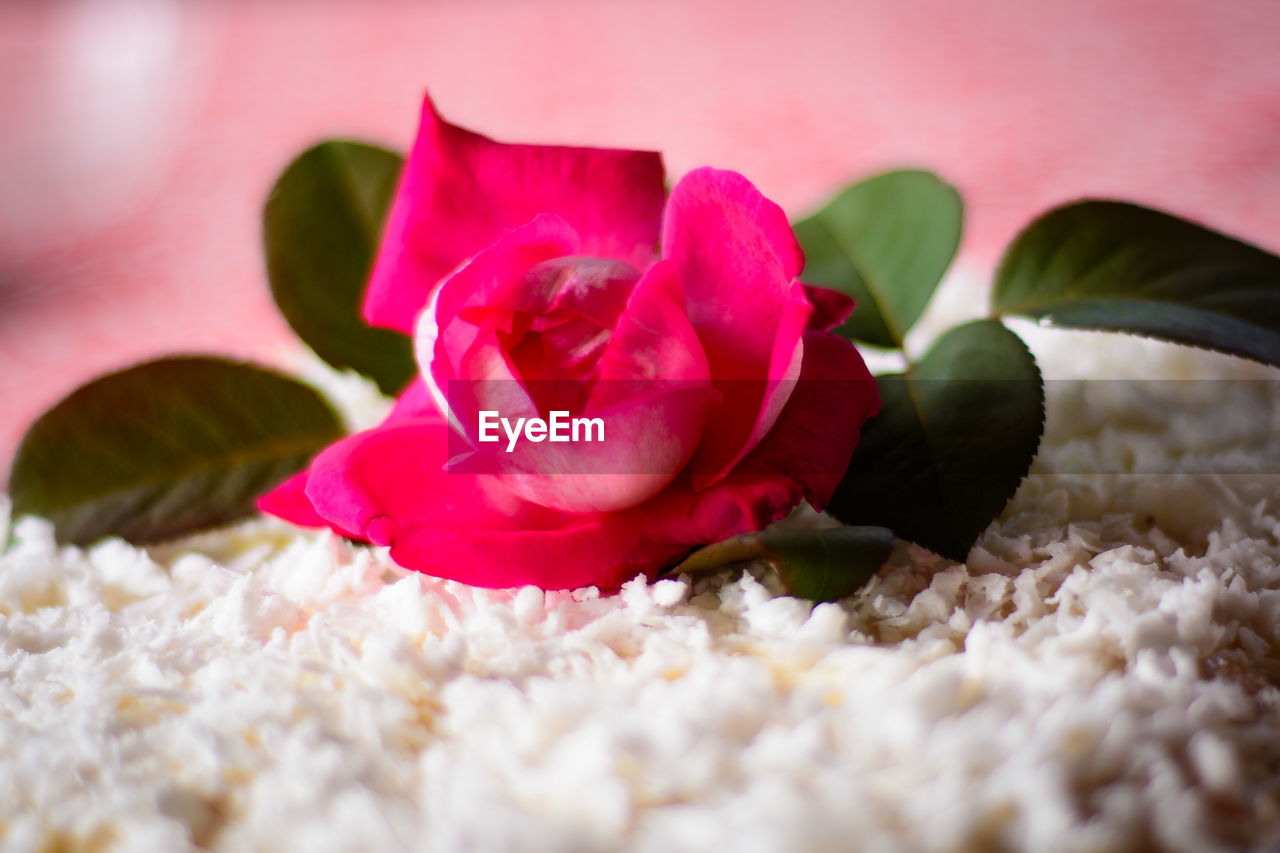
[956,435]
[1117,266]
[166,448]
[886,242]
[321,227]
[820,565]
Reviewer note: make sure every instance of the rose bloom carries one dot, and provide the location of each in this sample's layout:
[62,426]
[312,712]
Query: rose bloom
[532,280]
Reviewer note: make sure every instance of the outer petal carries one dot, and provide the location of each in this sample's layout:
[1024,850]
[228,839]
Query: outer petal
[737,260]
[377,483]
[460,191]
[602,550]
[830,307]
[813,439]
[289,501]
[682,519]
[598,552]
[388,486]
[416,401]
[738,200]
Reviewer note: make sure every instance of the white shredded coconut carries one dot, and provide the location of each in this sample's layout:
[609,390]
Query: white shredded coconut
[1103,674]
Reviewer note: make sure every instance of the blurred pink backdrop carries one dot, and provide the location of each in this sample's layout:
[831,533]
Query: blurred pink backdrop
[138,138]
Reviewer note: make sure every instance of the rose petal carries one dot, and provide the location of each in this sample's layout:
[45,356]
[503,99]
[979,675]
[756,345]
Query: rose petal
[603,550]
[634,449]
[737,199]
[416,401]
[737,261]
[651,397]
[654,339]
[387,486]
[598,552]
[444,342]
[377,482]
[814,437]
[496,274]
[461,191]
[289,501]
[563,316]
[596,289]
[830,307]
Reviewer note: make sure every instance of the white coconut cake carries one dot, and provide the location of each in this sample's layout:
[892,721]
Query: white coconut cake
[1102,674]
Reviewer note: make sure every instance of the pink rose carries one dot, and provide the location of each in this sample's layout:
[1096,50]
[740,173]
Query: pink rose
[532,281]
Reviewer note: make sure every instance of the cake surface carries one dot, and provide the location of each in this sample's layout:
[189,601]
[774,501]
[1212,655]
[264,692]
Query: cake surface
[1101,674]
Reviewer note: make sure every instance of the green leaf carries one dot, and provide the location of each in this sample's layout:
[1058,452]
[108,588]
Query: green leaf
[820,565]
[1121,267]
[886,242]
[954,438]
[321,227]
[166,448]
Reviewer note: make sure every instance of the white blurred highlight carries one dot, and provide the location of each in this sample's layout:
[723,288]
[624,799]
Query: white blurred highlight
[100,130]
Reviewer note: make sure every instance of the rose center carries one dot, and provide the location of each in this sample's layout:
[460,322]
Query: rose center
[563,324]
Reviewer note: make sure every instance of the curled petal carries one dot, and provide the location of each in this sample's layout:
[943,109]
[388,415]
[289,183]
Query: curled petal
[595,289]
[654,338]
[460,191]
[737,261]
[830,307]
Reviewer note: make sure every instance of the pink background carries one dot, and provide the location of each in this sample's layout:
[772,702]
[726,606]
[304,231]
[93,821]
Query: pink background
[138,138]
